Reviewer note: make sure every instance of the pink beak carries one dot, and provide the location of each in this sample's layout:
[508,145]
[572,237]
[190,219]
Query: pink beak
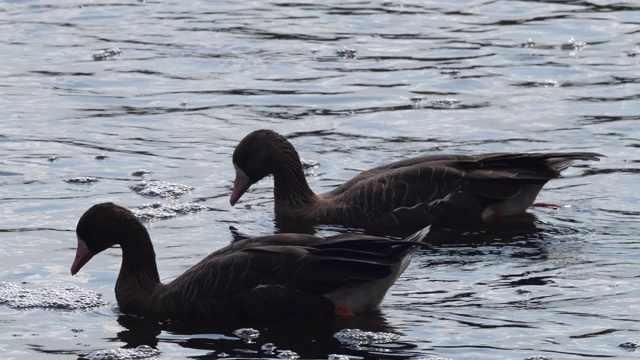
[240,186]
[83,255]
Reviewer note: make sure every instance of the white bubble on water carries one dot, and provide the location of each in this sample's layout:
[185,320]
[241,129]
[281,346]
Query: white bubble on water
[57,297]
[288,354]
[359,337]
[161,189]
[81,180]
[158,211]
[248,334]
[141,352]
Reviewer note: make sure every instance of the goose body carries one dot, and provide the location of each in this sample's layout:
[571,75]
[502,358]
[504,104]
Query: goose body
[411,193]
[273,277]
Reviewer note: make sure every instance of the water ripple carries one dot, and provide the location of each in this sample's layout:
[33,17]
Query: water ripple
[353,85]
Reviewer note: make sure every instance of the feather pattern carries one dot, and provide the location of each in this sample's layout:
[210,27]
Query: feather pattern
[411,193]
[273,277]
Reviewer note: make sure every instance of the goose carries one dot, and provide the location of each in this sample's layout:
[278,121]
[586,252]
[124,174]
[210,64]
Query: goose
[274,277]
[407,194]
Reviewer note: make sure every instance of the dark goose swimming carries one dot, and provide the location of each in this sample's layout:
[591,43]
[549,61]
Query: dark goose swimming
[407,194]
[274,277]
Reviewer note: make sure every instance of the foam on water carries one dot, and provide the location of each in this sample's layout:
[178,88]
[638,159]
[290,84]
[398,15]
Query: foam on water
[161,189]
[158,211]
[549,83]
[308,164]
[633,52]
[268,348]
[107,54]
[359,337]
[57,297]
[81,180]
[309,167]
[141,352]
[247,334]
[630,345]
[418,101]
[141,173]
[445,103]
[528,44]
[347,53]
[288,354]
[340,357]
[450,72]
[572,44]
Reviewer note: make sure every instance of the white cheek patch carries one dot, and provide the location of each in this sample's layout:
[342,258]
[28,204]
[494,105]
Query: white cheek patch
[239,172]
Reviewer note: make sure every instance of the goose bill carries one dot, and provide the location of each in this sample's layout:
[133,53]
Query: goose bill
[240,185]
[83,255]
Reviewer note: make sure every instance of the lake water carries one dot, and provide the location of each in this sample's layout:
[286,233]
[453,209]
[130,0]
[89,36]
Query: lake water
[354,84]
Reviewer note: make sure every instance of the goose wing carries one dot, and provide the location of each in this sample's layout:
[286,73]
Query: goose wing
[286,273]
[429,189]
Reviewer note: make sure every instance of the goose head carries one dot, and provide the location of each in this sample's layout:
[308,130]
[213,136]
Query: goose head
[100,228]
[260,154]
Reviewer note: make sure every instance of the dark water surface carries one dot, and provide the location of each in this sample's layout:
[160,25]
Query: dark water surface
[354,84]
